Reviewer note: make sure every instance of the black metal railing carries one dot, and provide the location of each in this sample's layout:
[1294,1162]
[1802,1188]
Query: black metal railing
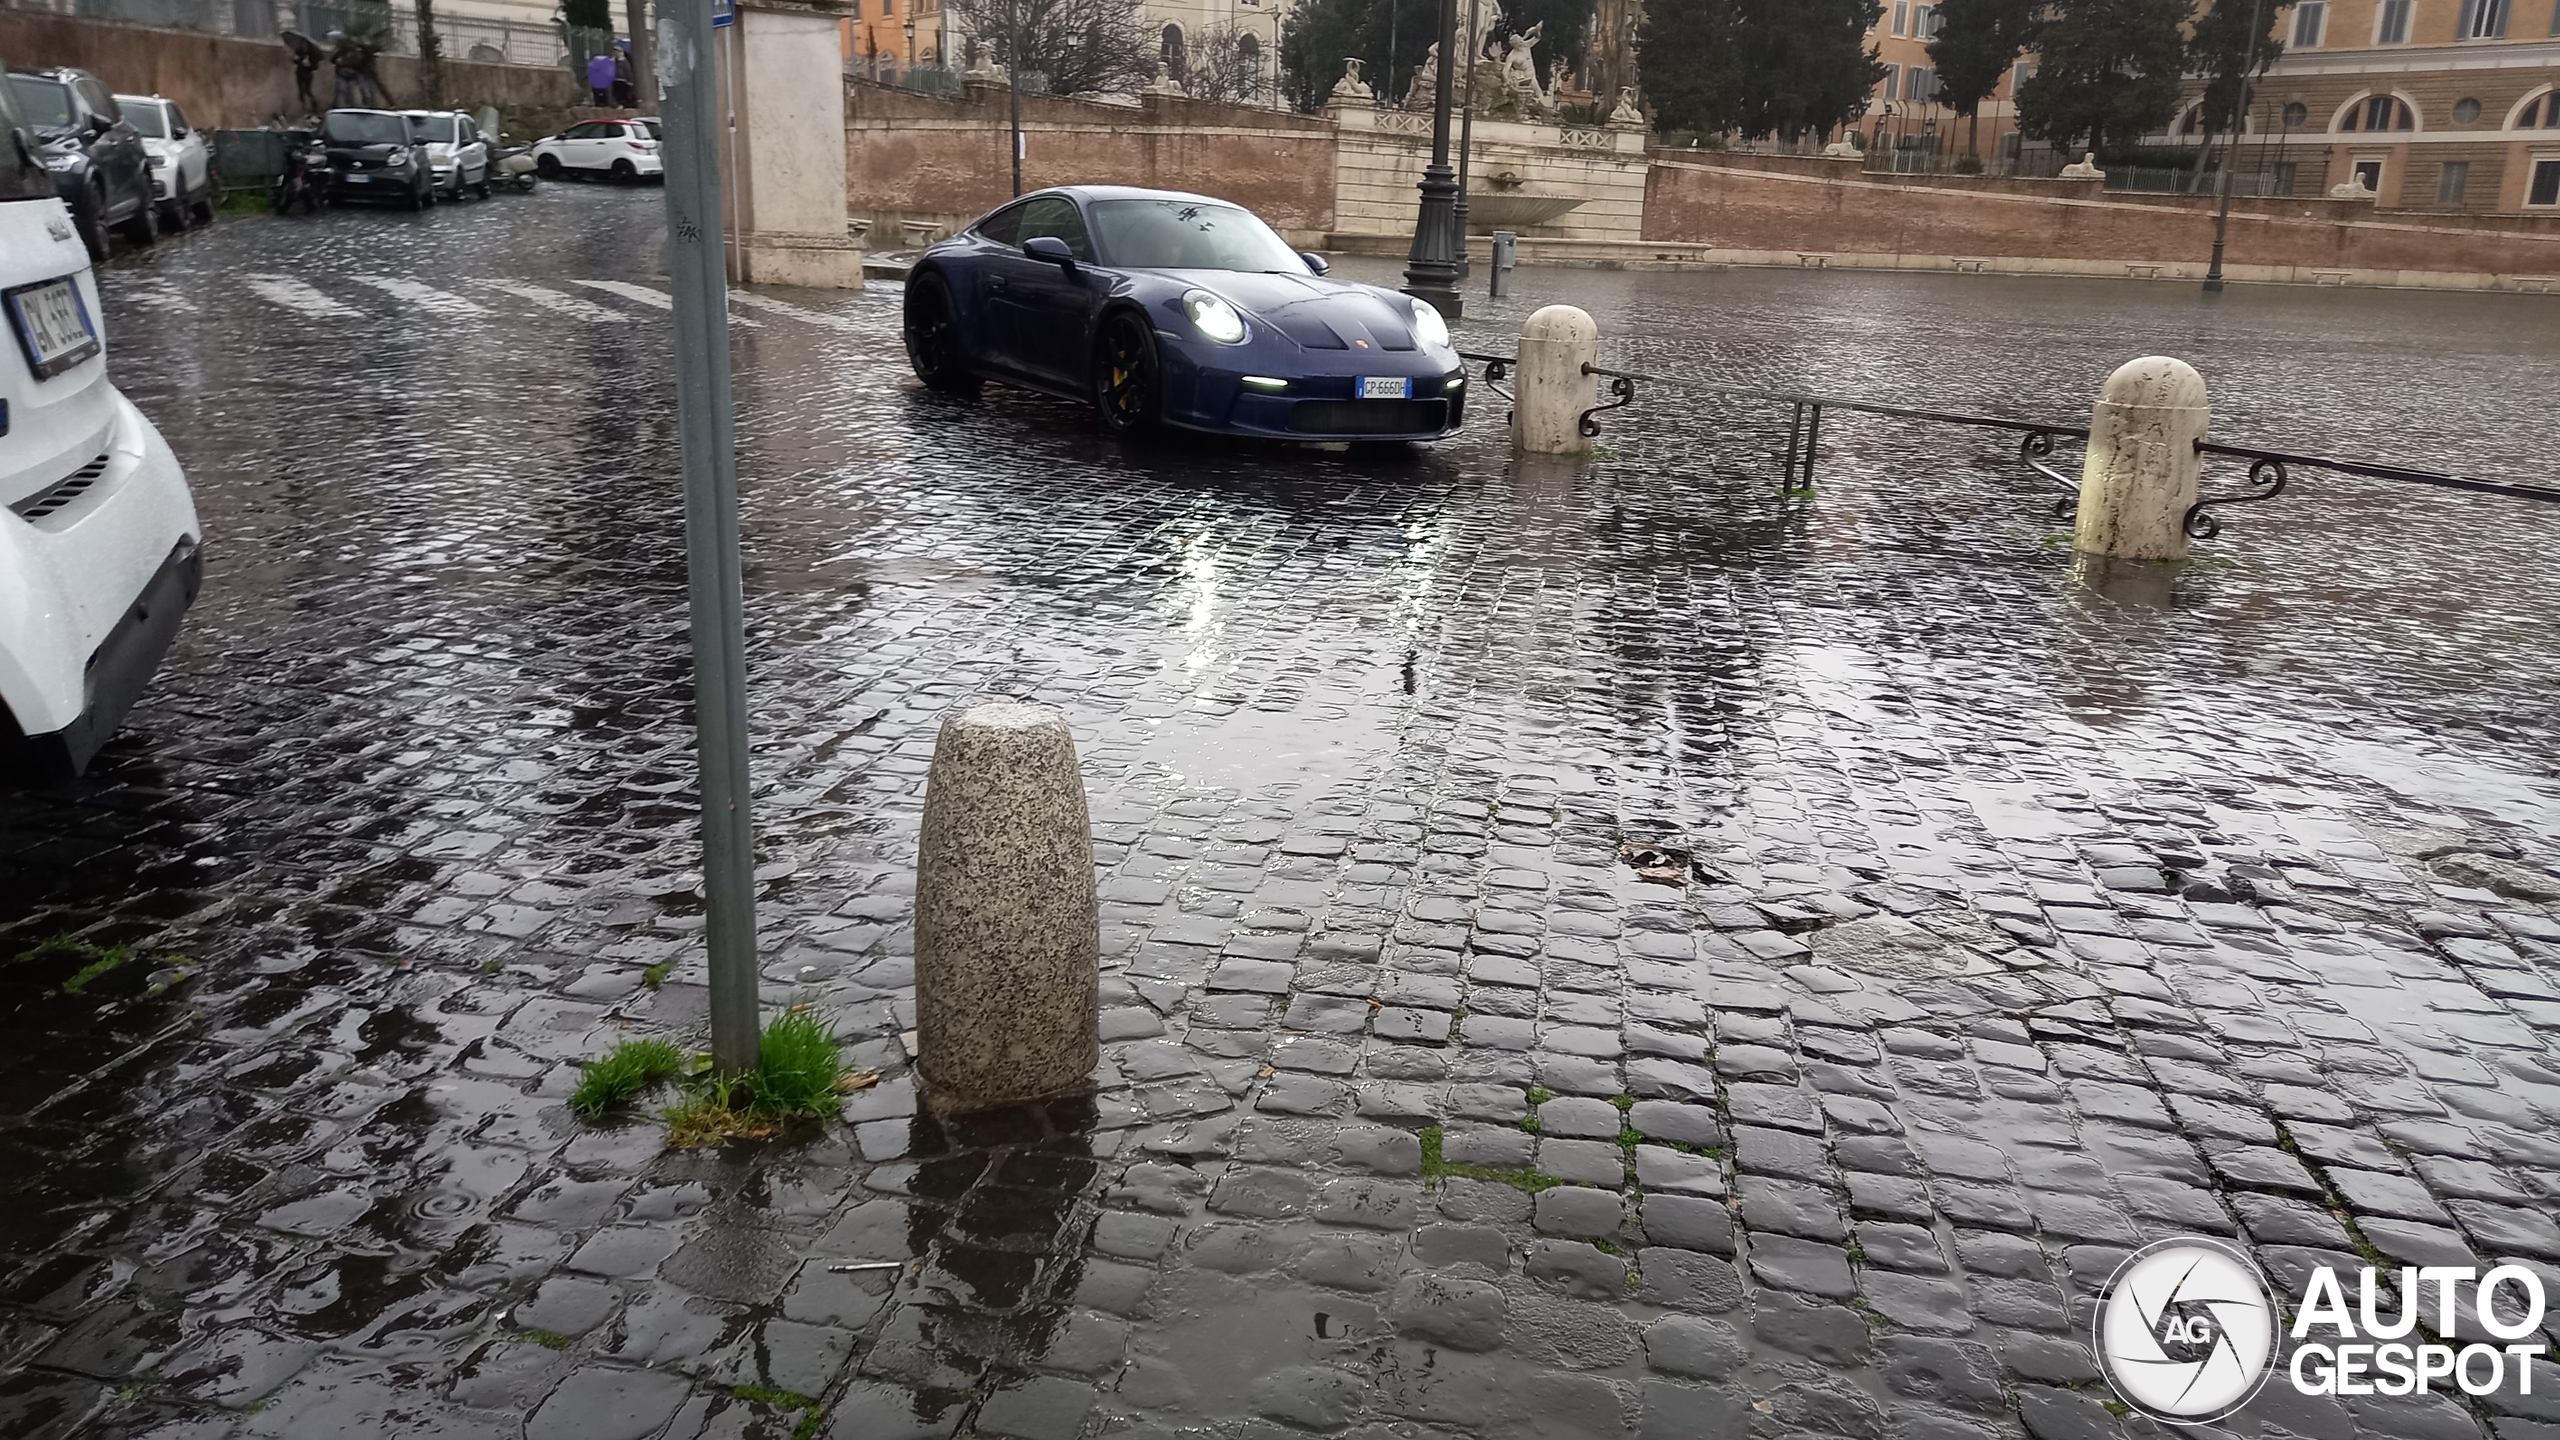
[2270,471]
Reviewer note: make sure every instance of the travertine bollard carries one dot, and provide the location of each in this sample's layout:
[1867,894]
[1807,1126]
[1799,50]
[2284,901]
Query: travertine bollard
[1553,391]
[2141,475]
[1008,929]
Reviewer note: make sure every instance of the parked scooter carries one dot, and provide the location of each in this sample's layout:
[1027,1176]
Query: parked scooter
[512,167]
[305,178]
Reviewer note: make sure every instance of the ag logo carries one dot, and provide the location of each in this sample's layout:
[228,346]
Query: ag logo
[2186,1331]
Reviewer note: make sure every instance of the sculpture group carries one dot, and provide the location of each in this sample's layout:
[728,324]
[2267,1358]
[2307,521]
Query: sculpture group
[1502,77]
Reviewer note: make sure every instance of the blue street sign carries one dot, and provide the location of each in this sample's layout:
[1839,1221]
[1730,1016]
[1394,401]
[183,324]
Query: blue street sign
[723,12]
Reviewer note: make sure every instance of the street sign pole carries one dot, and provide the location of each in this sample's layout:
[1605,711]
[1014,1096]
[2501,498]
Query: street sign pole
[697,272]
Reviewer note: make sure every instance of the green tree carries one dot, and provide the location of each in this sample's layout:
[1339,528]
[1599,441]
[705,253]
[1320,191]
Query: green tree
[2220,51]
[1389,36]
[1691,55]
[1977,42]
[2104,68]
[1759,67]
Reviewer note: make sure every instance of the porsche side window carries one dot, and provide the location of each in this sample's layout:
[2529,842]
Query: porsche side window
[1003,226]
[1055,215]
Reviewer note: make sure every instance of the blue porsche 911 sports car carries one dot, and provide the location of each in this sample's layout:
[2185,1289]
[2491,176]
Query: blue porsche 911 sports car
[1161,308]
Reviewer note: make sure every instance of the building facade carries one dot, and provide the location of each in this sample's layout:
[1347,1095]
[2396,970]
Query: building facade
[2445,105]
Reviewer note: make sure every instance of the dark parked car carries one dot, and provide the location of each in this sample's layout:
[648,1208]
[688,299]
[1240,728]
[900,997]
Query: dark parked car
[99,168]
[1161,308]
[377,155]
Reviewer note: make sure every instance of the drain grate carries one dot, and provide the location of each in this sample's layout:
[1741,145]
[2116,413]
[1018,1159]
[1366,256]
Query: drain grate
[47,501]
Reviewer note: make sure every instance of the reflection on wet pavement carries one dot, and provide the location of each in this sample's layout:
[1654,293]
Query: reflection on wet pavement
[2030,912]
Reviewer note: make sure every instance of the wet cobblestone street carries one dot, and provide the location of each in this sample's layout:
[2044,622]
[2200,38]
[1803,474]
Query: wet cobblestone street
[2016,916]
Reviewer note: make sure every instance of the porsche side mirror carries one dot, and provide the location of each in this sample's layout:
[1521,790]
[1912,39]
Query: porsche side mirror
[101,123]
[1316,263]
[1051,249]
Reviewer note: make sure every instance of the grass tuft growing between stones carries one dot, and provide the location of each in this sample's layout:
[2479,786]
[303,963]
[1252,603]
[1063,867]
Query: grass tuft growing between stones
[634,1066]
[1434,1168]
[799,1073]
[656,975]
[549,1339]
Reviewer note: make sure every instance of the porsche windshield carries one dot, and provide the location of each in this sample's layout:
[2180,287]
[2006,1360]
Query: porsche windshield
[1189,235]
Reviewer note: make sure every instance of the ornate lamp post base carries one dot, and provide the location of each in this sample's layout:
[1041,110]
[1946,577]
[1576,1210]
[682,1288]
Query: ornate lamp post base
[1432,273]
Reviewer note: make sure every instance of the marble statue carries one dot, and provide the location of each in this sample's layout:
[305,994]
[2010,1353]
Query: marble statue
[2087,169]
[1426,81]
[1628,112]
[1351,89]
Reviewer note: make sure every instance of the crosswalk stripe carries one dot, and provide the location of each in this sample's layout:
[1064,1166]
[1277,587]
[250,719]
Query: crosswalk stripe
[296,296]
[772,306]
[558,303]
[646,296]
[152,292]
[425,297]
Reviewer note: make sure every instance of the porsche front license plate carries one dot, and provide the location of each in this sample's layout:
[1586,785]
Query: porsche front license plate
[1386,387]
[53,325]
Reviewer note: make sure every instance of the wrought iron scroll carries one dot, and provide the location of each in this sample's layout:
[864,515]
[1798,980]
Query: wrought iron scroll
[2033,449]
[1619,385]
[2267,477]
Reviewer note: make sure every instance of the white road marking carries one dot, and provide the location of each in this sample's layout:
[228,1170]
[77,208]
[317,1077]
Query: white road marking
[772,306]
[293,295]
[425,297]
[553,300]
[659,299]
[152,292]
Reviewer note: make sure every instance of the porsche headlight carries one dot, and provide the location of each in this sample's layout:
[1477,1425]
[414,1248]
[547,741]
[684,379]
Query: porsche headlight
[1214,317]
[1428,327]
[398,156]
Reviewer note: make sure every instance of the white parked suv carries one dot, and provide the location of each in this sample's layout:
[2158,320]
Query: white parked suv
[456,151]
[181,159]
[627,150]
[100,550]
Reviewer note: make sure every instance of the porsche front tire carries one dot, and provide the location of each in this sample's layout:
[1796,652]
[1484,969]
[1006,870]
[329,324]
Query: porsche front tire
[1128,377]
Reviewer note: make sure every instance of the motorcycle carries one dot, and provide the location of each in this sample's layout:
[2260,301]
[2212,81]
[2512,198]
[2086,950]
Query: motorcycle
[511,167]
[304,180]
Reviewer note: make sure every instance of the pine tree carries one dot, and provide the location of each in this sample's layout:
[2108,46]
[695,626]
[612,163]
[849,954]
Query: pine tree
[1977,42]
[2104,68]
[2221,52]
[1691,55]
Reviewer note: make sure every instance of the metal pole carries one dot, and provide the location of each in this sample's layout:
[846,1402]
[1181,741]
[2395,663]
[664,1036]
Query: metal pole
[696,276]
[1013,81]
[1431,274]
[1466,137]
[2239,122]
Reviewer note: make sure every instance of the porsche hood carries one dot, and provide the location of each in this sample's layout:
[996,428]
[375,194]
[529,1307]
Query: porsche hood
[1318,313]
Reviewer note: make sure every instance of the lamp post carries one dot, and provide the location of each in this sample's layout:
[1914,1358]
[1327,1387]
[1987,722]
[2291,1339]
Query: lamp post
[1013,81]
[1431,274]
[1466,136]
[909,59]
[2240,115]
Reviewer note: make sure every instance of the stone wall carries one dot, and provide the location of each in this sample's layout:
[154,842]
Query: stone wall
[1804,210]
[938,162]
[1384,152]
[224,81]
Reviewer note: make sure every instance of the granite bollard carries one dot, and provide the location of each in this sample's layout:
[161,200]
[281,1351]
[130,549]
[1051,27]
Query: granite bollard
[2143,468]
[1008,926]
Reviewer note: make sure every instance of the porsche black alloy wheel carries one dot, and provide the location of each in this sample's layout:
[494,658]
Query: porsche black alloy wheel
[1125,375]
[933,337]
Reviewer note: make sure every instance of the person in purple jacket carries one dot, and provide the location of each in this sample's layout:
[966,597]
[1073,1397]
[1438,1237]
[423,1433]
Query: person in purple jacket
[600,77]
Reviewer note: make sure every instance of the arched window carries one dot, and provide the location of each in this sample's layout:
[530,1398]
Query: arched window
[1173,55]
[2540,112]
[1249,60]
[2378,113]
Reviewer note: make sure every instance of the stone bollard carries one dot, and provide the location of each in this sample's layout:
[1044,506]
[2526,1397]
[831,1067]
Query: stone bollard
[1008,928]
[1553,390]
[2141,475]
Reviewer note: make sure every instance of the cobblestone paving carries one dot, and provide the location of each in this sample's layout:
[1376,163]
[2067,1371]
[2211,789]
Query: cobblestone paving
[2001,918]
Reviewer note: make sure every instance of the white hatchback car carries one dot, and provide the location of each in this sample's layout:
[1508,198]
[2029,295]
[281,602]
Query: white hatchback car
[627,150]
[456,151]
[100,549]
[181,158]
